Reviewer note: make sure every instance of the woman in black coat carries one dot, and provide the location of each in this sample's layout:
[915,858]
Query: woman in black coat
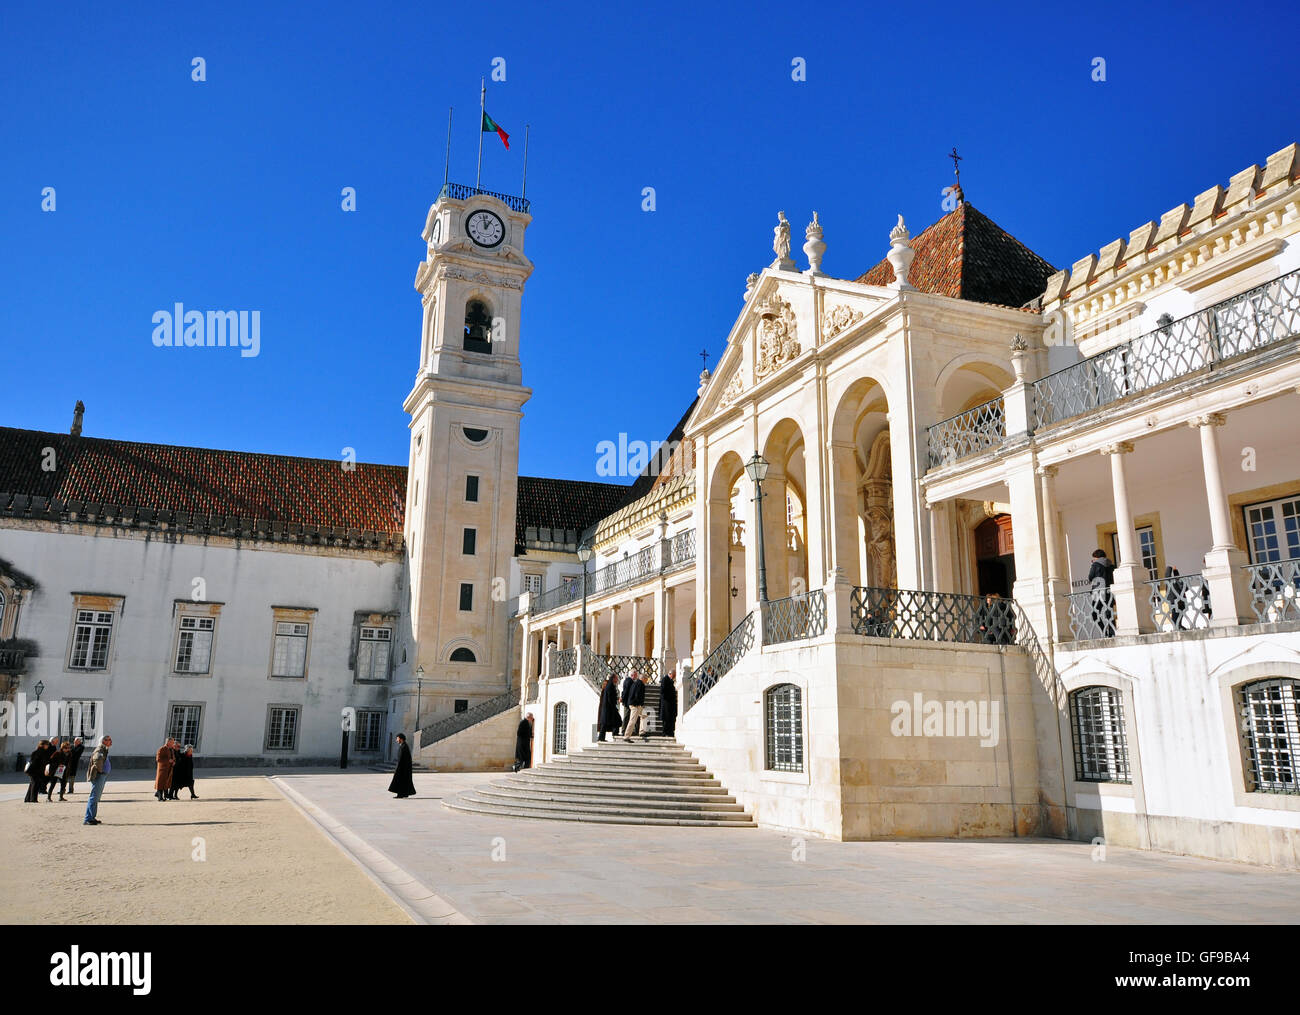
[524,744]
[608,719]
[36,772]
[402,783]
[183,773]
[668,705]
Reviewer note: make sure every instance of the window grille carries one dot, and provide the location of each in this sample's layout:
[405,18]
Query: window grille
[1100,748]
[561,734]
[290,650]
[370,731]
[1270,734]
[282,729]
[784,729]
[194,645]
[184,722]
[91,640]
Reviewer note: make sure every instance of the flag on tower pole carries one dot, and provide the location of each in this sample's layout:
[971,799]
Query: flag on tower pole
[490,125]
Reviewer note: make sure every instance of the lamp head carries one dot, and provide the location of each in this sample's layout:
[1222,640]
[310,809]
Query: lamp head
[756,468]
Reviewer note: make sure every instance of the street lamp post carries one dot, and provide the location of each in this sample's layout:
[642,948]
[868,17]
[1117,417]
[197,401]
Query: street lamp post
[419,694]
[584,554]
[756,469]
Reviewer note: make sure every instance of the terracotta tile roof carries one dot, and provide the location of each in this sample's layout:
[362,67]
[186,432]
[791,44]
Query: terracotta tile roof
[202,481]
[564,504]
[680,459]
[968,256]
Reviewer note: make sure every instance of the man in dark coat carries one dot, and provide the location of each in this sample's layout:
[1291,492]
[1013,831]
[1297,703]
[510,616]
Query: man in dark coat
[70,775]
[183,773]
[1101,576]
[628,681]
[668,705]
[403,785]
[607,718]
[636,699]
[49,779]
[524,744]
[36,772]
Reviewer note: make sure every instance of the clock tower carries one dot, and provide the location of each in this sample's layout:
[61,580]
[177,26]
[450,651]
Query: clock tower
[465,409]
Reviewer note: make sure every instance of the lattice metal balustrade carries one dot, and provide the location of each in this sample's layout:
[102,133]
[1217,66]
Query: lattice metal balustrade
[1275,591]
[462,191]
[968,432]
[622,666]
[1092,614]
[794,618]
[463,720]
[720,661]
[566,662]
[1253,320]
[681,549]
[677,552]
[1180,603]
[933,616]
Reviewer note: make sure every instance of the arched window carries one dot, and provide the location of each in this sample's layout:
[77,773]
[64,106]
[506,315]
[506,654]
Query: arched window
[1100,748]
[1270,733]
[783,708]
[560,738]
[478,327]
[463,655]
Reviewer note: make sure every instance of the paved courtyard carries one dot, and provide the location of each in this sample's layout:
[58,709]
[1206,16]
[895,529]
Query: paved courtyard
[463,867]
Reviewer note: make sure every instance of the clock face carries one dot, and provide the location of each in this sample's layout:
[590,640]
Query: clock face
[437,231]
[485,228]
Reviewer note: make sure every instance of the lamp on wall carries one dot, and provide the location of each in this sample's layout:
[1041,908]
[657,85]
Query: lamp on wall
[584,554]
[756,469]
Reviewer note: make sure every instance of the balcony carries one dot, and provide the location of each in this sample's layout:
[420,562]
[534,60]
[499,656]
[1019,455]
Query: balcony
[663,557]
[461,192]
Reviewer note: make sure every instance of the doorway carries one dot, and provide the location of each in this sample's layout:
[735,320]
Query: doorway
[995,560]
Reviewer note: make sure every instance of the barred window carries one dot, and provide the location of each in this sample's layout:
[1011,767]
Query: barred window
[1100,749]
[90,640]
[560,737]
[370,730]
[373,653]
[282,728]
[1270,734]
[184,723]
[784,728]
[194,645]
[290,650]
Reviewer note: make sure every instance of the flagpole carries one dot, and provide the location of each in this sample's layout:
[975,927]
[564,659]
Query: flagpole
[523,187]
[482,108]
[446,166]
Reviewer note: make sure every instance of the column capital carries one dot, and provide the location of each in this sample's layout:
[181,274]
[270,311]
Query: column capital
[1118,448]
[1049,471]
[1207,419]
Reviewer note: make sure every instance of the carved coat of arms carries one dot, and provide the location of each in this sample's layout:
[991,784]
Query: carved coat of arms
[778,343]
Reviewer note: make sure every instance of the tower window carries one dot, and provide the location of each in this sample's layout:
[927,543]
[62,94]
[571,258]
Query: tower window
[478,327]
[463,655]
[471,489]
[468,541]
[474,435]
[466,596]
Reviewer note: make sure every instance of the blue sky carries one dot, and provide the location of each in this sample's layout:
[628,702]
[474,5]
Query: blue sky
[225,194]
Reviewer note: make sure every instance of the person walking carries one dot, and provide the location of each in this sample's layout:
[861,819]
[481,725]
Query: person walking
[36,772]
[403,785]
[165,759]
[636,700]
[1101,576]
[668,704]
[183,773]
[70,776]
[524,744]
[56,745]
[607,718]
[628,681]
[58,768]
[97,775]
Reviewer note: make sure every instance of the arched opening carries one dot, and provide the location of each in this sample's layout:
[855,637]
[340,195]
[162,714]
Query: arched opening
[560,727]
[785,534]
[463,655]
[478,327]
[966,385]
[726,544]
[862,487]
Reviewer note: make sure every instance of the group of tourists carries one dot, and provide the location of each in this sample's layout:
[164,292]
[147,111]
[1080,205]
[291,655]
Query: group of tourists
[633,718]
[175,770]
[53,763]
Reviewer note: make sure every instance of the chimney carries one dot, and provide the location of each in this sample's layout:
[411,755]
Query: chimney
[77,413]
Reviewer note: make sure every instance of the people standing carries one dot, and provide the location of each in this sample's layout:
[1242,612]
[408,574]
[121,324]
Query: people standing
[70,776]
[1101,576]
[97,774]
[668,704]
[183,773]
[165,758]
[607,718]
[58,768]
[524,744]
[36,772]
[628,681]
[403,785]
[636,699]
[47,784]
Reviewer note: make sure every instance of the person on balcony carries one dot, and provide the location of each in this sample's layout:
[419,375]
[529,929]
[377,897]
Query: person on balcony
[607,718]
[668,705]
[1101,576]
[995,620]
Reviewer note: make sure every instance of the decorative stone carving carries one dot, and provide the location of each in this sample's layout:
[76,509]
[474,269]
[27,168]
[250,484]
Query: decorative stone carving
[836,320]
[750,282]
[777,341]
[1208,419]
[704,382]
[1018,344]
[878,514]
[815,246]
[900,254]
[733,389]
[781,244]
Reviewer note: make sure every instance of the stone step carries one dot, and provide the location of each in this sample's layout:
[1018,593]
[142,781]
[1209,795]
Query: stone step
[468,802]
[543,782]
[620,779]
[718,796]
[606,805]
[613,758]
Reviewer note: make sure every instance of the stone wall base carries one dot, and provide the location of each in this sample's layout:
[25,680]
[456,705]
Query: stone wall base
[487,746]
[1265,845]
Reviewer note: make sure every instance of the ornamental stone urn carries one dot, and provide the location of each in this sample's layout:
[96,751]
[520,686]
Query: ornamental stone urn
[900,254]
[815,247]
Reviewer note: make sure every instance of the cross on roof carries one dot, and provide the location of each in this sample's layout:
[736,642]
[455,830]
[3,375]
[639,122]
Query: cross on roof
[956,170]
[704,357]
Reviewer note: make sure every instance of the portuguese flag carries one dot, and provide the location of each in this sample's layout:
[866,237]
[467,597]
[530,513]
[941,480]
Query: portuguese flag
[491,126]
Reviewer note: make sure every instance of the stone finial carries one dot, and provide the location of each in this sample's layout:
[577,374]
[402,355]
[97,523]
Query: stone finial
[1019,356]
[781,243]
[750,282]
[815,247]
[705,376]
[900,254]
[1018,344]
[77,413]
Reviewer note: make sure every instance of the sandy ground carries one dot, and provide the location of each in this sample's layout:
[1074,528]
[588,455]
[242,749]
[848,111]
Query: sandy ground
[264,861]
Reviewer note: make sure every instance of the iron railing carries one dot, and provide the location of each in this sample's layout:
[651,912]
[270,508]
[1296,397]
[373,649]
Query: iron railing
[622,666]
[681,550]
[1275,590]
[719,662]
[932,616]
[1180,603]
[660,557]
[566,662]
[463,720]
[1092,614]
[977,429]
[794,618]
[12,660]
[462,191]
[1250,321]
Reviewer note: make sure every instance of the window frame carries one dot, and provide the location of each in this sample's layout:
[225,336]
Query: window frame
[381,718]
[560,730]
[466,591]
[172,706]
[1114,741]
[1252,780]
[469,541]
[790,743]
[1280,534]
[271,709]
[198,614]
[97,606]
[363,641]
[478,483]
[294,616]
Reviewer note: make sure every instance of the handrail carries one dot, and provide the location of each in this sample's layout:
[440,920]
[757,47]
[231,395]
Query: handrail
[797,617]
[462,191]
[718,663]
[661,556]
[463,720]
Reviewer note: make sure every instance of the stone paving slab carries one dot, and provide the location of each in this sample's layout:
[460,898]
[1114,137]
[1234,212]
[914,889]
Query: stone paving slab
[569,872]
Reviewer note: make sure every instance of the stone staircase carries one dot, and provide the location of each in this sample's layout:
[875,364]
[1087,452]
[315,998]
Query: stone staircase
[655,782]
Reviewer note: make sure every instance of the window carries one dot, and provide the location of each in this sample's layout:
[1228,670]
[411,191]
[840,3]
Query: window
[416,498]
[1270,734]
[184,723]
[90,640]
[474,434]
[784,732]
[463,655]
[462,705]
[1273,530]
[370,731]
[466,596]
[373,653]
[560,738]
[468,538]
[80,719]
[194,645]
[569,579]
[282,728]
[1146,539]
[533,583]
[478,327]
[471,489]
[290,650]
[1100,749]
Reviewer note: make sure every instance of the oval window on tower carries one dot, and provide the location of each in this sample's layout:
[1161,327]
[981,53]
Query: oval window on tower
[474,434]
[463,655]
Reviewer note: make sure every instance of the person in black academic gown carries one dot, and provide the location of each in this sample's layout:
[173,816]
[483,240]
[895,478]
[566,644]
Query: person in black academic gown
[668,705]
[524,743]
[402,783]
[36,771]
[607,718]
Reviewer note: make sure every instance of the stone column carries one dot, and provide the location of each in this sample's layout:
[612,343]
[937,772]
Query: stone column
[1132,599]
[1058,586]
[1224,567]
[670,629]
[613,628]
[659,603]
[634,648]
[593,627]
[525,661]
[577,637]
[1030,588]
